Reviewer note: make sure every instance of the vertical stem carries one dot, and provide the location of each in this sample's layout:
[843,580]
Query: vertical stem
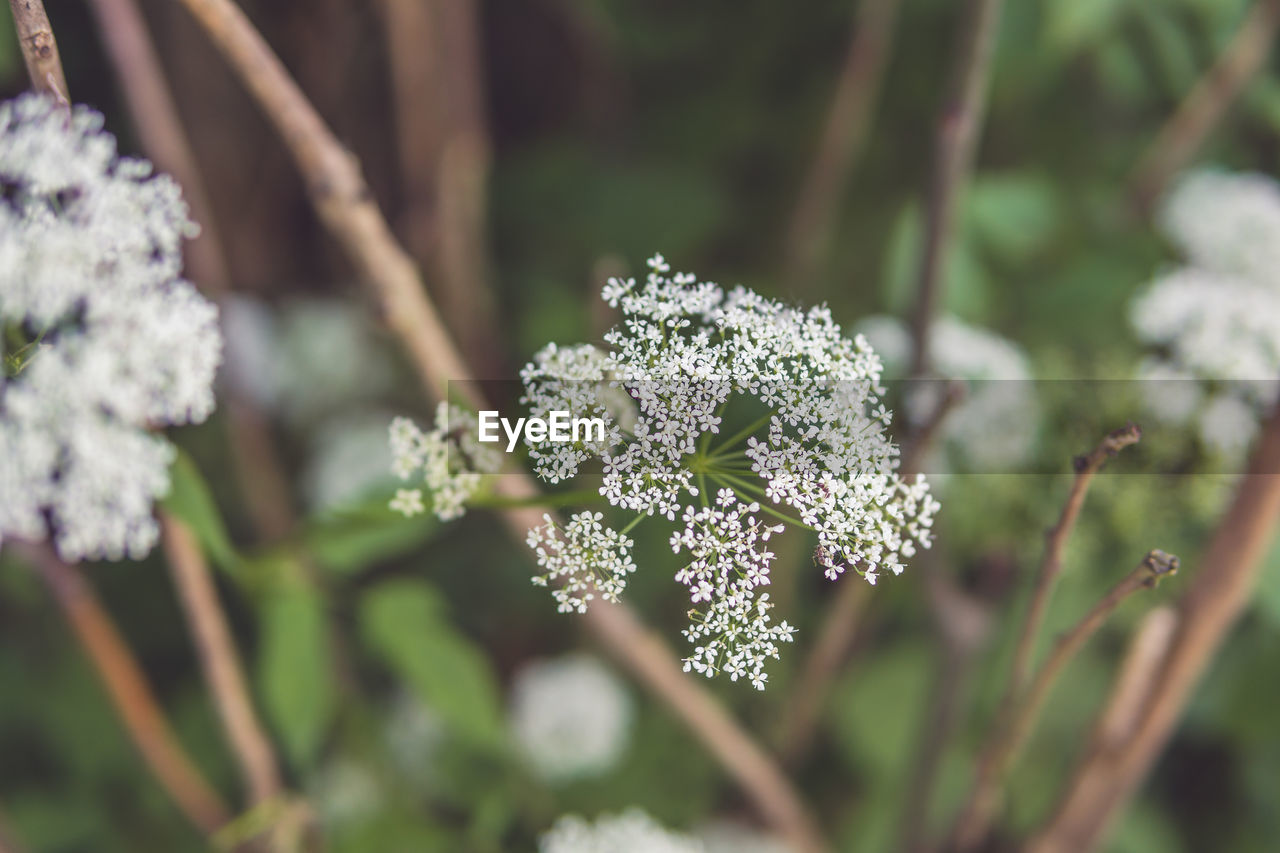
[8,840]
[39,49]
[1205,105]
[843,137]
[1008,738]
[130,694]
[219,661]
[958,127]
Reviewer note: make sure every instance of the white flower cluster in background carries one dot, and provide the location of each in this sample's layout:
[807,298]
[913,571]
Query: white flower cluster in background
[449,458]
[684,353]
[305,359]
[102,339]
[349,459]
[571,717]
[994,427]
[1215,323]
[724,836]
[632,831]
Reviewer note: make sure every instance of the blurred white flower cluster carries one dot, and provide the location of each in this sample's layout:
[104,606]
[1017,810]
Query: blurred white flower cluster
[571,717]
[1215,323]
[102,339]
[449,458]
[993,428]
[686,353]
[632,831]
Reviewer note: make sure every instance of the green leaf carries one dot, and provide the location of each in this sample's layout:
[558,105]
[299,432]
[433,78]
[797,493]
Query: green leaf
[1267,599]
[191,500]
[1014,214]
[354,538]
[293,670]
[404,622]
[1070,27]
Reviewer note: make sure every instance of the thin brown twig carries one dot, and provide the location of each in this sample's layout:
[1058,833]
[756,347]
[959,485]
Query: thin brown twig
[341,198]
[1087,468]
[129,692]
[843,137]
[1108,777]
[219,661]
[444,155]
[1205,105]
[1008,739]
[957,137]
[8,838]
[39,49]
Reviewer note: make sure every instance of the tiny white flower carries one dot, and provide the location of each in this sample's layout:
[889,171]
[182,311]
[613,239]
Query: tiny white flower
[449,458]
[633,831]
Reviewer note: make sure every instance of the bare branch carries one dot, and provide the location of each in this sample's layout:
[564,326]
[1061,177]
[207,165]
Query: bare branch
[220,661]
[39,49]
[1205,105]
[1108,777]
[843,137]
[1008,737]
[128,690]
[958,126]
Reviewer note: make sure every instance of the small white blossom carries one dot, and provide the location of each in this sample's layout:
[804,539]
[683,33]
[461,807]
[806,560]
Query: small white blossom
[633,831]
[349,459]
[732,633]
[1216,319]
[571,717]
[450,458]
[583,559]
[101,338]
[724,836]
[684,354]
[994,427]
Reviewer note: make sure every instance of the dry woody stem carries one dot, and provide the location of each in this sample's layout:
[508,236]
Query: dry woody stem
[1010,736]
[345,206]
[1229,568]
[843,137]
[1205,105]
[127,688]
[219,661]
[957,138]
[39,49]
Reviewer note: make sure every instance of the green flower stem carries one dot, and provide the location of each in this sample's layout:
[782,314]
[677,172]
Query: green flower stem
[552,500]
[728,444]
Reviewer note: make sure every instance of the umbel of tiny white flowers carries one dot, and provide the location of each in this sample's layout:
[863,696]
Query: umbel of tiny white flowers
[1216,319]
[448,458]
[101,338]
[684,354]
[632,831]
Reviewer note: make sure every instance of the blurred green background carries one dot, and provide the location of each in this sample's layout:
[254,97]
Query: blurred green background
[618,129]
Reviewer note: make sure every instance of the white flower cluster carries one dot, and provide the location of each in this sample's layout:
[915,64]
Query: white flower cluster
[994,427]
[450,457]
[632,831]
[1217,319]
[101,338]
[685,353]
[582,559]
[571,717]
[730,563]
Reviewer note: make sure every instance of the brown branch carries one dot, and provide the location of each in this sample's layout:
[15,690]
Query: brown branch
[1205,105]
[155,116]
[129,692]
[39,49]
[219,661]
[1109,776]
[843,137]
[1055,543]
[957,138]
[444,154]
[343,202]
[8,839]
[1008,738]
